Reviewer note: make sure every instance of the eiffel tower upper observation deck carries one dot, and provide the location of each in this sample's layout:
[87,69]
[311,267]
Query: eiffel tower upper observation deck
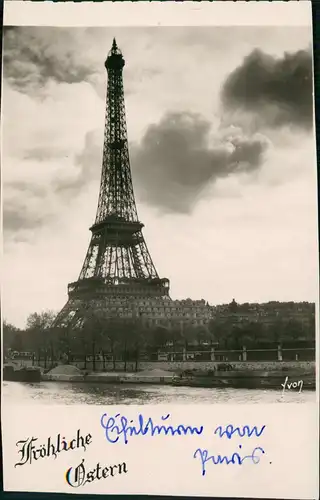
[118,263]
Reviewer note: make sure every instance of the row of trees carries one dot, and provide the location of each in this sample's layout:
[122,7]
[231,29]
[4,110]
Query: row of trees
[252,334]
[270,307]
[116,337]
[133,338]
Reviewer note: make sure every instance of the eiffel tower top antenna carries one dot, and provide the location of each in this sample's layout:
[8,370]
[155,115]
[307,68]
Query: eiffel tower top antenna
[114,45]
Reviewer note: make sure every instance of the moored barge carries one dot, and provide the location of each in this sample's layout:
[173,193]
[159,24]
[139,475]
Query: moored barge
[23,374]
[245,379]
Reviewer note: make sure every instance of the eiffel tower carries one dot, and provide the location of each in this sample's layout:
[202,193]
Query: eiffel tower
[118,264]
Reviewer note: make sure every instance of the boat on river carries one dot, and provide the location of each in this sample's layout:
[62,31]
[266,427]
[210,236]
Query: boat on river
[21,374]
[246,379]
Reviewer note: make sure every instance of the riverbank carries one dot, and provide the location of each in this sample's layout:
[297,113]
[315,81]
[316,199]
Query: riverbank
[252,375]
[174,366]
[69,373]
[234,377]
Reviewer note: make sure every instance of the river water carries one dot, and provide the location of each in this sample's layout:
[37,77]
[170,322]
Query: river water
[68,393]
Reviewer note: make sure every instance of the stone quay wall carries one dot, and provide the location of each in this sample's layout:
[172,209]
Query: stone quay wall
[173,366]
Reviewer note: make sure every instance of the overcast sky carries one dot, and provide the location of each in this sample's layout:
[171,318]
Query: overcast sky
[222,155]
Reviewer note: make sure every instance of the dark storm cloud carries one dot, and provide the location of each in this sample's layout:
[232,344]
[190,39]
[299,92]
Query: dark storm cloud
[175,162]
[277,90]
[34,56]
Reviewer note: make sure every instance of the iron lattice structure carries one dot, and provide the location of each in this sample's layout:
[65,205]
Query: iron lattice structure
[118,263]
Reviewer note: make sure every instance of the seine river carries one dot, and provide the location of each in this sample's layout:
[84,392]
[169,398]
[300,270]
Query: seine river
[68,393]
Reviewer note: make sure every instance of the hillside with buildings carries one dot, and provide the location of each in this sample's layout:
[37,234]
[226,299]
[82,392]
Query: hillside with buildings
[274,330]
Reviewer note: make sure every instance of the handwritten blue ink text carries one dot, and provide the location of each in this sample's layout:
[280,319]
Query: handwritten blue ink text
[229,431]
[235,458]
[119,426]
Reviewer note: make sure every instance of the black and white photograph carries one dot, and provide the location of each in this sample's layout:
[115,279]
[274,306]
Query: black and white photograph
[160,249]
[160,215]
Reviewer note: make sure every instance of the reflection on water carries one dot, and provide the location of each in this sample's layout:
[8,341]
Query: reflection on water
[68,393]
